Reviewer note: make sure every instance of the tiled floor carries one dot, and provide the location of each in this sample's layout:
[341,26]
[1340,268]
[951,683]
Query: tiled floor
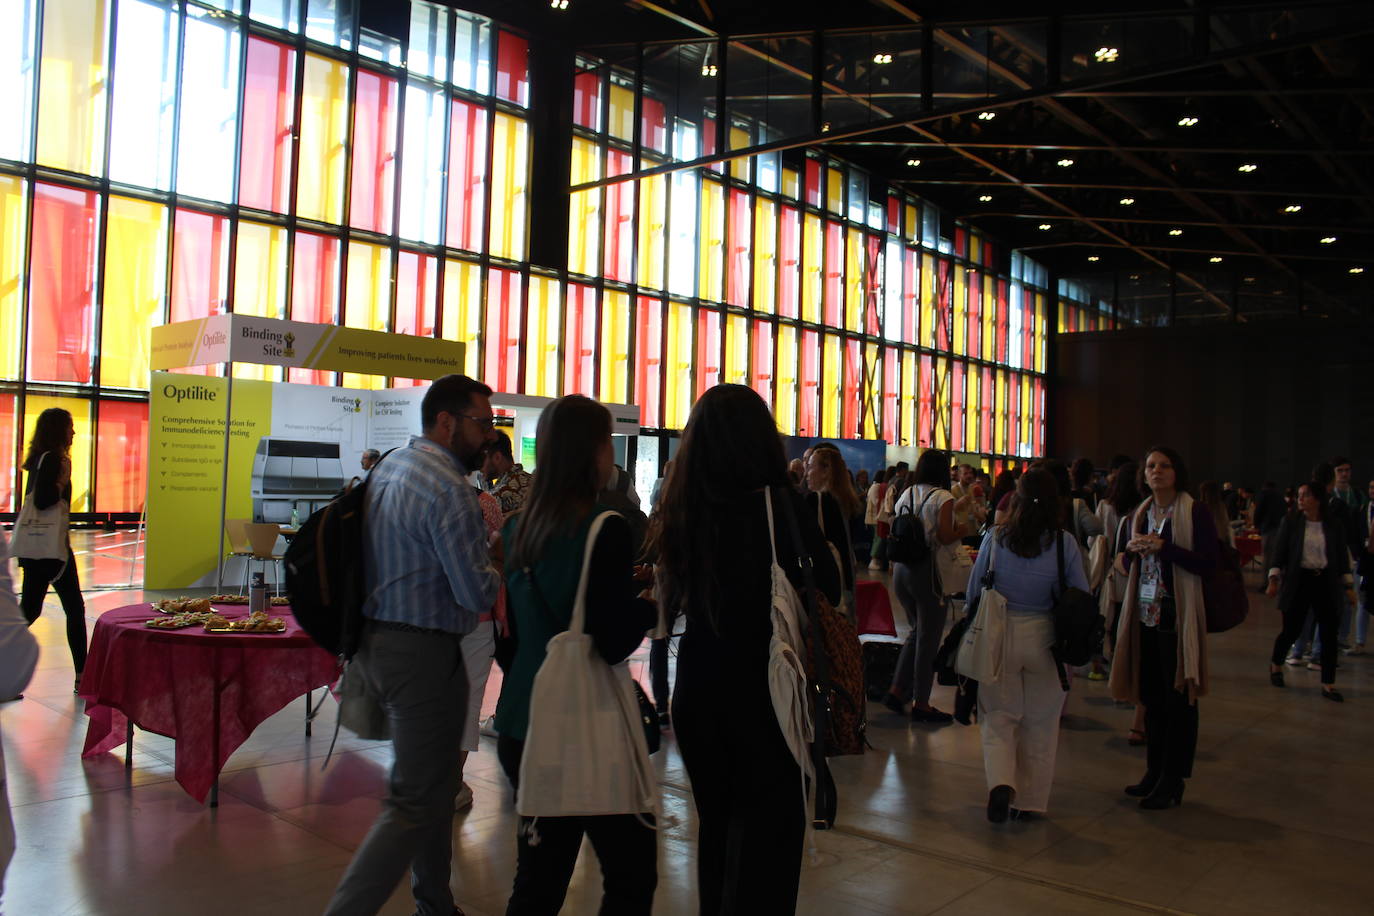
[1275,821]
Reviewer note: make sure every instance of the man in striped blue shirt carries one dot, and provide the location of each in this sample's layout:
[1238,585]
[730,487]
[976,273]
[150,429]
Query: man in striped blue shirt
[429,576]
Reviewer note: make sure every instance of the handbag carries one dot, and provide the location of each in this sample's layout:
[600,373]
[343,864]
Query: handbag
[1078,625]
[1223,592]
[983,648]
[41,534]
[585,754]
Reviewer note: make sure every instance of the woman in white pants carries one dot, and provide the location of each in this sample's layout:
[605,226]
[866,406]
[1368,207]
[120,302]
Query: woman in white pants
[1018,715]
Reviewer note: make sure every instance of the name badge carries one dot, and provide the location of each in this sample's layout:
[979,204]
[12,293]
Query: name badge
[1149,590]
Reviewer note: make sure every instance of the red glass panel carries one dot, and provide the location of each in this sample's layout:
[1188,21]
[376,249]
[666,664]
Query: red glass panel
[579,336]
[121,463]
[975,311]
[417,286]
[62,283]
[706,366]
[200,265]
[513,69]
[620,215]
[761,372]
[853,368]
[587,99]
[873,286]
[987,392]
[467,176]
[892,361]
[1014,414]
[961,242]
[738,242]
[1002,313]
[925,434]
[1038,423]
[834,274]
[894,216]
[654,131]
[944,297]
[268,96]
[809,387]
[1028,330]
[374,152]
[502,370]
[314,292]
[813,182]
[649,361]
[7,427]
[708,143]
[789,256]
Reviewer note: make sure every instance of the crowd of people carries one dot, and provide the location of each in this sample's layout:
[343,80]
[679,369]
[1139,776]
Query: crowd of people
[471,561]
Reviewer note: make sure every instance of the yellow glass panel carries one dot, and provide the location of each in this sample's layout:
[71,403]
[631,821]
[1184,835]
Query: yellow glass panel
[260,284]
[832,384]
[975,246]
[813,267]
[622,115]
[870,423]
[368,301]
[765,255]
[854,281]
[71,86]
[739,168]
[542,365]
[615,348]
[736,350]
[834,194]
[509,178]
[584,210]
[785,410]
[80,409]
[943,402]
[929,300]
[990,319]
[323,140]
[791,183]
[972,427]
[135,287]
[1041,325]
[1027,408]
[913,223]
[909,401]
[463,311]
[960,310]
[712,274]
[653,219]
[678,384]
[12,222]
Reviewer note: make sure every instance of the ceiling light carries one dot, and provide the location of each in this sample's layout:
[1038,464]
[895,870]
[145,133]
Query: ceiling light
[1044,226]
[986,115]
[1188,121]
[882,58]
[558,4]
[1175,231]
[825,128]
[1292,208]
[1215,260]
[708,70]
[1106,55]
[1094,258]
[985,198]
[1065,163]
[1357,270]
[1247,167]
[913,162]
[1329,240]
[1126,201]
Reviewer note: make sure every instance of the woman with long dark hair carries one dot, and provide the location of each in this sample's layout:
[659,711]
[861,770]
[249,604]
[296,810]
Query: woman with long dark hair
[545,544]
[1161,637]
[715,554]
[834,503]
[49,481]
[1310,573]
[1018,716]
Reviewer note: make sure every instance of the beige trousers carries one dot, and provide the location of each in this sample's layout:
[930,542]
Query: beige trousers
[1019,715]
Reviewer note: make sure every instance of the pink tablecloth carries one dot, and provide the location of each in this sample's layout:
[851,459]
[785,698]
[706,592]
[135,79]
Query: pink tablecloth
[1248,546]
[873,609]
[207,691]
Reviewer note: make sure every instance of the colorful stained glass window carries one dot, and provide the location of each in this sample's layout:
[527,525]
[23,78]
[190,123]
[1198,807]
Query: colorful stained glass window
[374,152]
[135,290]
[504,308]
[462,312]
[121,460]
[269,98]
[200,265]
[13,223]
[62,291]
[314,292]
[71,86]
[323,140]
[467,176]
[509,178]
[615,349]
[649,370]
[584,209]
[542,350]
[80,409]
[579,341]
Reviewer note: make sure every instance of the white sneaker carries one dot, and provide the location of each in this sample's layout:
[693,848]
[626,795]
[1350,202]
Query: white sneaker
[1357,649]
[488,727]
[463,800]
[1314,666]
[875,565]
[1294,660]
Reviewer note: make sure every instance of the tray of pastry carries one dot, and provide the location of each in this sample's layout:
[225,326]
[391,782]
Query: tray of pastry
[275,601]
[179,621]
[253,623]
[182,605]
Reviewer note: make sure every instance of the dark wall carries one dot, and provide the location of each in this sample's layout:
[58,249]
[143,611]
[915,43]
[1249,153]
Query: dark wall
[1241,402]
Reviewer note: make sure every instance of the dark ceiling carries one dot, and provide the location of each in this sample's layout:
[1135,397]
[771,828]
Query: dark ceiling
[1217,154]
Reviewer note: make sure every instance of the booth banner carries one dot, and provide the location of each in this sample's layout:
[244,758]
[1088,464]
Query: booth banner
[191,343]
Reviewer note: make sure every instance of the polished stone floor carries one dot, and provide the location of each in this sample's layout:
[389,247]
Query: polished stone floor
[1276,820]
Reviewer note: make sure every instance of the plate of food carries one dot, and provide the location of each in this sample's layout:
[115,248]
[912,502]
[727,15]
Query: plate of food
[275,601]
[254,623]
[182,605]
[175,621]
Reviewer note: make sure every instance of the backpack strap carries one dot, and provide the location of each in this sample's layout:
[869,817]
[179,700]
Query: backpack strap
[1063,588]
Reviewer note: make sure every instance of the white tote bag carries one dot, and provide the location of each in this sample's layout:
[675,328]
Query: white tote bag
[983,650]
[41,534]
[585,751]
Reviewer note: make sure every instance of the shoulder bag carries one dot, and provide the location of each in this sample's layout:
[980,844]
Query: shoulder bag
[982,651]
[41,534]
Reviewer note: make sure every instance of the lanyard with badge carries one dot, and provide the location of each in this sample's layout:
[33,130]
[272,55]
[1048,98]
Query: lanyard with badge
[1151,577]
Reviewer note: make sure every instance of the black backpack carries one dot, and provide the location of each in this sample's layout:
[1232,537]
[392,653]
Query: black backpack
[324,571]
[907,542]
[1078,624]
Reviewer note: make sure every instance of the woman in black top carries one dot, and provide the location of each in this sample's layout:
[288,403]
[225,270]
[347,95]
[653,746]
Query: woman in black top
[49,467]
[714,567]
[828,480]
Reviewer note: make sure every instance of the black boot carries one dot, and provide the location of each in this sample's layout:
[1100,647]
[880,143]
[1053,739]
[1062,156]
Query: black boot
[1144,787]
[1166,795]
[999,804]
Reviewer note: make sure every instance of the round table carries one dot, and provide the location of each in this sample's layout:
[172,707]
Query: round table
[206,691]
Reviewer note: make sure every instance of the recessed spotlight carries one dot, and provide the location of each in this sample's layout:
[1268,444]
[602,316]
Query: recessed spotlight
[913,162]
[985,198]
[1188,121]
[1247,167]
[1065,163]
[1126,201]
[1175,231]
[558,4]
[1215,260]
[1329,240]
[1293,208]
[882,58]
[986,115]
[825,128]
[708,70]
[1106,55]
[1094,258]
[1357,270]
[1044,226]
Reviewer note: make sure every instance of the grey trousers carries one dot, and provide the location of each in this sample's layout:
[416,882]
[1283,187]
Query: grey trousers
[925,611]
[423,687]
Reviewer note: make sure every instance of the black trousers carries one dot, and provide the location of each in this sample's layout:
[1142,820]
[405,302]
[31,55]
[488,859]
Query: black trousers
[658,673]
[38,575]
[1314,594]
[1171,721]
[748,792]
[625,847]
